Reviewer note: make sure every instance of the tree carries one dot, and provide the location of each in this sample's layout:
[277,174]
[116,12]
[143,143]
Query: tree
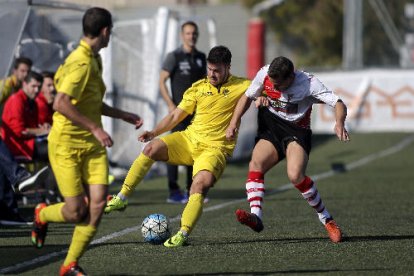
[312,31]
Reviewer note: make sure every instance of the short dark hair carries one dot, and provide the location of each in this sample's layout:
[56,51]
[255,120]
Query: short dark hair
[94,20]
[33,75]
[189,23]
[219,54]
[48,74]
[281,68]
[22,60]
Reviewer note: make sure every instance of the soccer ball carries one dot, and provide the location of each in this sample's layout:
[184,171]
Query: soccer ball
[155,228]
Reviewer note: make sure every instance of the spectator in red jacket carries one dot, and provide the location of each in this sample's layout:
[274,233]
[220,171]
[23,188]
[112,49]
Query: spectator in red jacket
[20,121]
[45,98]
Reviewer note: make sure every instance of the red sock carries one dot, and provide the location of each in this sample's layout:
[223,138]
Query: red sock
[312,196]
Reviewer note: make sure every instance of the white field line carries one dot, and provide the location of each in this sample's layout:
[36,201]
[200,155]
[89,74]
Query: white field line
[353,165]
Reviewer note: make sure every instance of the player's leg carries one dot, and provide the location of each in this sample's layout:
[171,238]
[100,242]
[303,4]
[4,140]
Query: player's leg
[188,169]
[208,167]
[297,160]
[175,195]
[95,176]
[264,157]
[85,231]
[202,182]
[189,177]
[156,150]
[67,171]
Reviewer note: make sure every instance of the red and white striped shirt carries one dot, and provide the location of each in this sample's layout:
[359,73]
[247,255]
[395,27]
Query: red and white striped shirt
[295,103]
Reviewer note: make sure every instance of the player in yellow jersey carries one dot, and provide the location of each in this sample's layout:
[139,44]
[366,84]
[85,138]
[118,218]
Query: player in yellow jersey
[77,142]
[202,145]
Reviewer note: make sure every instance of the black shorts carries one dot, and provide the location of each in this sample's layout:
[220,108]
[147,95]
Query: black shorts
[280,132]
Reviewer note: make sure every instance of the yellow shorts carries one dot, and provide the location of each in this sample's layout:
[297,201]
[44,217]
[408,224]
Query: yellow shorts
[182,150]
[75,167]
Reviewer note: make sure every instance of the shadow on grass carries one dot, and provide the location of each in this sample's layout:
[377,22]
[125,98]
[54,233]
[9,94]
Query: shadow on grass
[378,238]
[279,240]
[346,239]
[33,256]
[292,271]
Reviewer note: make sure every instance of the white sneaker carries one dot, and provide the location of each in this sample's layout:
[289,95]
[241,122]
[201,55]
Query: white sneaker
[34,180]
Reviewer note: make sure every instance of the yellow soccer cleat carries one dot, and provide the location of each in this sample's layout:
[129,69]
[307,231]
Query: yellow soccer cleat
[115,204]
[176,241]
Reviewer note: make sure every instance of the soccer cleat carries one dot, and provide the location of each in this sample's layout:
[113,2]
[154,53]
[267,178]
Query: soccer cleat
[39,230]
[249,219]
[115,204]
[176,241]
[334,231]
[71,269]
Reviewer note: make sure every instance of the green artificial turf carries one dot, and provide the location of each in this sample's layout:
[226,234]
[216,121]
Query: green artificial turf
[372,203]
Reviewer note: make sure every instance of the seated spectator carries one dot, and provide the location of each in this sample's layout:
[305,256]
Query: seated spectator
[21,131]
[20,122]
[14,82]
[14,177]
[45,98]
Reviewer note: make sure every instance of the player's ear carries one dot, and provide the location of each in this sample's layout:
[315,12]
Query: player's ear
[106,31]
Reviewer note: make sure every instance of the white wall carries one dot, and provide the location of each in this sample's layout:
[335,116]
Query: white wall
[377,100]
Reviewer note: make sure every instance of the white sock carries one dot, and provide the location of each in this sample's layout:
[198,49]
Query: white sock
[255,192]
[122,197]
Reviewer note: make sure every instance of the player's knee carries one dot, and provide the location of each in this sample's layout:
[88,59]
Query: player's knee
[295,177]
[79,213]
[149,150]
[255,166]
[200,186]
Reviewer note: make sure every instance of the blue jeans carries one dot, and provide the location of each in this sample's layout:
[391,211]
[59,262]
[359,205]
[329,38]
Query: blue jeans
[9,167]
[10,174]
[8,202]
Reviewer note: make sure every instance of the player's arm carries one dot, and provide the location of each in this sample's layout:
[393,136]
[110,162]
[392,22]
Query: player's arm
[164,76]
[242,105]
[166,124]
[116,113]
[324,95]
[340,116]
[63,105]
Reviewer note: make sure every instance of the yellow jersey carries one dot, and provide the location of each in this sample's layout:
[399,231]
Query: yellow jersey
[7,87]
[213,108]
[80,77]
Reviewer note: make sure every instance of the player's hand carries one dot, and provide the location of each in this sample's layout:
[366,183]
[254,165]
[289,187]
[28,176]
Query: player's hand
[103,137]
[261,101]
[341,132]
[133,119]
[146,136]
[231,133]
